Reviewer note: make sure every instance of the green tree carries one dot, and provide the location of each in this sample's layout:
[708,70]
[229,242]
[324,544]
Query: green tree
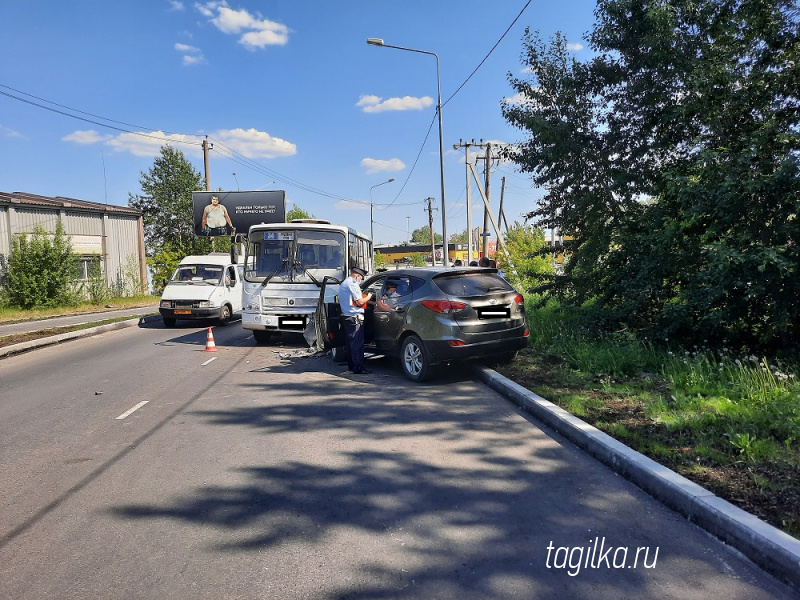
[423,236]
[297,213]
[693,106]
[166,205]
[458,238]
[525,244]
[418,260]
[41,269]
[380,260]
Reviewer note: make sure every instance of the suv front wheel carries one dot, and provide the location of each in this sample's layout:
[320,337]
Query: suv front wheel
[414,359]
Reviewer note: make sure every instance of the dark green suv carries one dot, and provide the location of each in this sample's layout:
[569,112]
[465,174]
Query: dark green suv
[429,316]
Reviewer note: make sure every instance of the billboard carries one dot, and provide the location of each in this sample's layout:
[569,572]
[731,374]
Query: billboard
[219,213]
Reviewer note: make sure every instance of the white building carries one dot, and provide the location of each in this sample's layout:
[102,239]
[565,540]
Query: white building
[112,234]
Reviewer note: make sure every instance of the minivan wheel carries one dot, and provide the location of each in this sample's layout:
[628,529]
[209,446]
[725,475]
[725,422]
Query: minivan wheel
[225,314]
[262,337]
[414,359]
[339,354]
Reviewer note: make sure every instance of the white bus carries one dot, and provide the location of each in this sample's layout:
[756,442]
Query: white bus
[284,267]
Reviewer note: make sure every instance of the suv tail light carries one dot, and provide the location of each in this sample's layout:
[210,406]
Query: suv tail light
[443,306]
[519,299]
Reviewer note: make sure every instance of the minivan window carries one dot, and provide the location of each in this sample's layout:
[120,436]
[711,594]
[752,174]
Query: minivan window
[472,284]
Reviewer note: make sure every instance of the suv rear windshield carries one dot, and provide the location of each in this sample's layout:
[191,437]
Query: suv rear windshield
[472,284]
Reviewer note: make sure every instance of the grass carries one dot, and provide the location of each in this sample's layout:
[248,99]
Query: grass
[16,315]
[732,424]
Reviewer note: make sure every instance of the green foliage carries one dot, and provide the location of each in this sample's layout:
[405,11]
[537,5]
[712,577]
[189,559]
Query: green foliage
[166,204]
[40,270]
[95,286]
[417,260]
[297,213]
[671,159]
[163,265]
[458,238]
[748,404]
[525,245]
[423,236]
[380,260]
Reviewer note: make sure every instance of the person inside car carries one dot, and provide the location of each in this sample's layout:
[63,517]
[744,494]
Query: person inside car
[389,298]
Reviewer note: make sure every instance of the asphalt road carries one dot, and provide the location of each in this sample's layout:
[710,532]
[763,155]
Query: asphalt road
[265,472]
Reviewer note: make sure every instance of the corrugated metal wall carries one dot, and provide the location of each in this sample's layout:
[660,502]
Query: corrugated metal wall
[122,235]
[25,220]
[82,223]
[5,236]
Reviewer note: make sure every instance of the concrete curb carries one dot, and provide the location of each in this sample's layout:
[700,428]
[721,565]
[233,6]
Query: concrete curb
[771,549]
[6,351]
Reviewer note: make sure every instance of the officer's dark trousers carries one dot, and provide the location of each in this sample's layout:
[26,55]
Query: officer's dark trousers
[354,329]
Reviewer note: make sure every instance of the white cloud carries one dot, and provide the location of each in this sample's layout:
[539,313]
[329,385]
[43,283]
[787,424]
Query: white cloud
[9,132]
[255,144]
[207,8]
[374,165]
[247,142]
[186,48]
[176,5]
[575,47]
[345,205]
[189,60]
[192,55]
[256,31]
[83,138]
[376,104]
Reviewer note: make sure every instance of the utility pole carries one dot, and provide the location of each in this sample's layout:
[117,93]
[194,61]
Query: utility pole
[430,210]
[466,146]
[206,148]
[487,177]
[501,216]
[500,241]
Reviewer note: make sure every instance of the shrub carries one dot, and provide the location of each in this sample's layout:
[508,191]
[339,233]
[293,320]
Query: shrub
[40,270]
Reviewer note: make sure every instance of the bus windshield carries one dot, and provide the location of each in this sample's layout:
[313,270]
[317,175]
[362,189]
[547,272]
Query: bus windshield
[295,255]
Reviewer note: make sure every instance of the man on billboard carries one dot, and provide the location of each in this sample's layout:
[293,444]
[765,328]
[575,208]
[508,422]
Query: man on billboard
[215,218]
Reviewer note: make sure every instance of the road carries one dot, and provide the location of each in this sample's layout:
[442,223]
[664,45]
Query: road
[266,472]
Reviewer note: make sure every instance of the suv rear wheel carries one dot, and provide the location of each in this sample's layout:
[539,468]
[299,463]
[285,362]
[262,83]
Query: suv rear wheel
[414,359]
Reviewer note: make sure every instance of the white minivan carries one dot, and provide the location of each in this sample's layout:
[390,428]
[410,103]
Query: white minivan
[203,287]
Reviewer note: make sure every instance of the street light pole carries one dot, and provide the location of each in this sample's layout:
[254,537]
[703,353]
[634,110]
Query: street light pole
[380,42]
[371,231]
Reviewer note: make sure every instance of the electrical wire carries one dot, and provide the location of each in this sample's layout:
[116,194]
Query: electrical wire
[489,54]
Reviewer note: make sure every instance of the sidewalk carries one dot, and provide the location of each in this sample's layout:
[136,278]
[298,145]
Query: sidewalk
[28,326]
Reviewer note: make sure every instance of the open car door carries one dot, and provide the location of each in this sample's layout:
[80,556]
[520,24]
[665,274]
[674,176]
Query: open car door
[327,323]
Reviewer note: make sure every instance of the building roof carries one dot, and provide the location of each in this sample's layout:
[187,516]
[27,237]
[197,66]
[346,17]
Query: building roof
[23,199]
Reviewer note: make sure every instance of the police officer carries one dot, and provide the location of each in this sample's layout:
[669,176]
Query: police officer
[352,303]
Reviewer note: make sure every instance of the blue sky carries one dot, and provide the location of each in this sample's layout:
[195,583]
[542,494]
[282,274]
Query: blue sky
[288,91]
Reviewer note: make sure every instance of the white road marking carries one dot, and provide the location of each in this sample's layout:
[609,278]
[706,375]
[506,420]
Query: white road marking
[133,410]
[209,360]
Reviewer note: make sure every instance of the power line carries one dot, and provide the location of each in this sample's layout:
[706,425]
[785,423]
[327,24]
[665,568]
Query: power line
[98,123]
[490,52]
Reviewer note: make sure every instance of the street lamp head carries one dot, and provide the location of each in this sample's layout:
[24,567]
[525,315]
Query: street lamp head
[375,41]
